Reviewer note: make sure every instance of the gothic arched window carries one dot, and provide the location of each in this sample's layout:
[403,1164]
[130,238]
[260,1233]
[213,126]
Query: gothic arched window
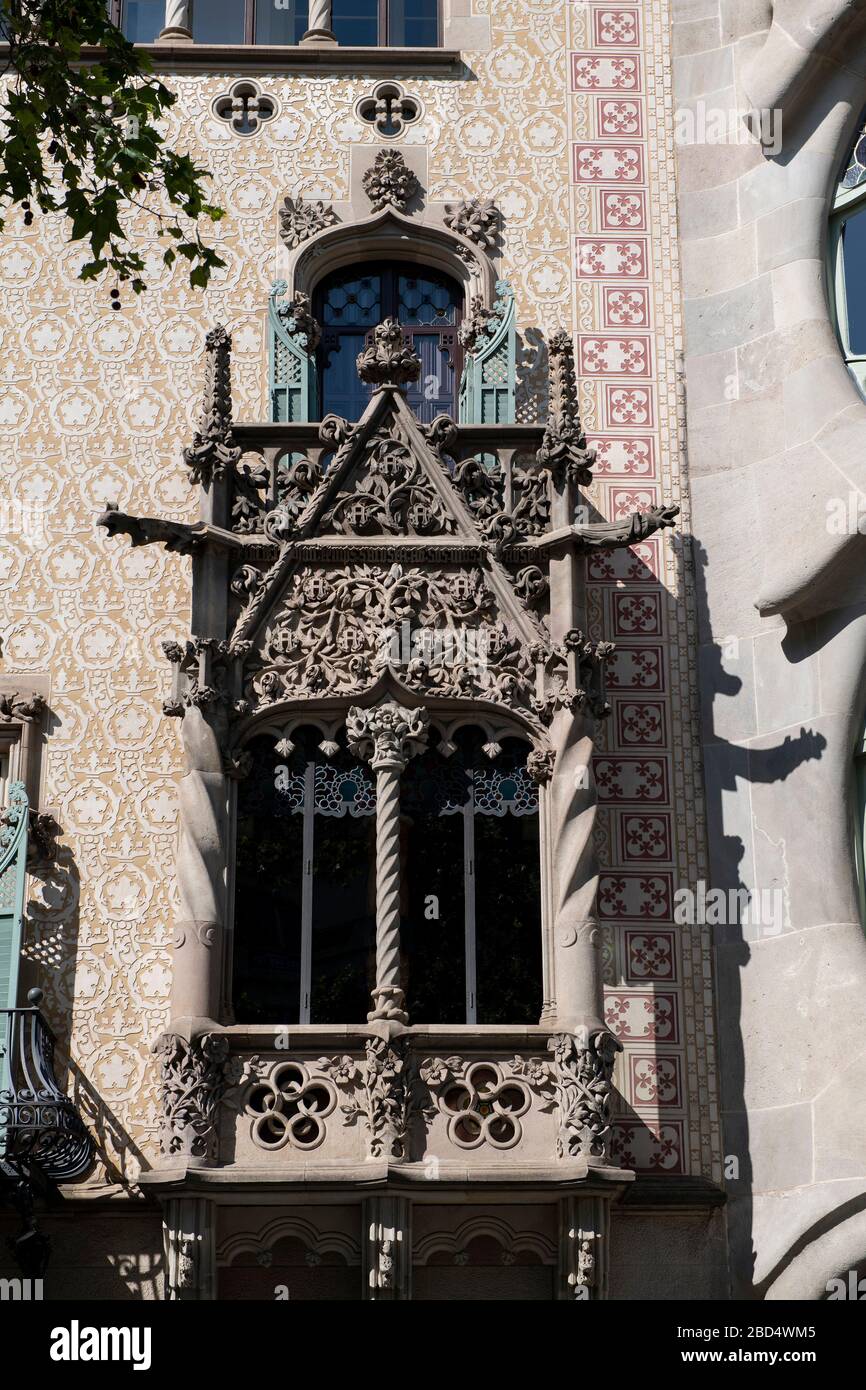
[428,305]
[848,259]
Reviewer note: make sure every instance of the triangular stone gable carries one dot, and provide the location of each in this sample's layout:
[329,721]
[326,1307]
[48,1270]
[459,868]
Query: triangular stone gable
[385,468]
[386,479]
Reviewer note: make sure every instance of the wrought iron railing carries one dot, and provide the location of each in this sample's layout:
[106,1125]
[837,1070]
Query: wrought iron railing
[39,1124]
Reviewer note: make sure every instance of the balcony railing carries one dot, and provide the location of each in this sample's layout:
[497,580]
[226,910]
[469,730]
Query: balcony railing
[39,1125]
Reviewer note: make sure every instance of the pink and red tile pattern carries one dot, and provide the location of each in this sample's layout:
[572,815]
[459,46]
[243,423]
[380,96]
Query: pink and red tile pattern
[615,254]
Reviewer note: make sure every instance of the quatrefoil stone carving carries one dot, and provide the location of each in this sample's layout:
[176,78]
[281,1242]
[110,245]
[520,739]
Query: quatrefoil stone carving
[389,109]
[245,106]
[482,1105]
[290,1107]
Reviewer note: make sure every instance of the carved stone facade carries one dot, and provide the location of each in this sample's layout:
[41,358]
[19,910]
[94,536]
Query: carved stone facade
[264,581]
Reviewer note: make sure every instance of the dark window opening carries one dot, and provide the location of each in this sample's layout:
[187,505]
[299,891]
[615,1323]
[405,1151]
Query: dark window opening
[304,922]
[305,886]
[472,919]
[429,306]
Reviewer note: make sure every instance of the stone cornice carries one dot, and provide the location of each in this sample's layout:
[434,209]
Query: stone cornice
[329,58]
[380,1175]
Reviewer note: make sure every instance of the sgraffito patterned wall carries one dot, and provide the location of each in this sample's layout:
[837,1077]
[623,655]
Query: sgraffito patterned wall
[565,126]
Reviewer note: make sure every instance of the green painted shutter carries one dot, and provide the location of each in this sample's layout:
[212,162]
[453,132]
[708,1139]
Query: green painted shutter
[293,388]
[13,868]
[487,388]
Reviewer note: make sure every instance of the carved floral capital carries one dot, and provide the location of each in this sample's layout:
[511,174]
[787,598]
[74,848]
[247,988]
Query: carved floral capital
[388,734]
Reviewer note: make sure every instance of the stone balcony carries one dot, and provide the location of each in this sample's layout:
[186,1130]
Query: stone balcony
[332,1106]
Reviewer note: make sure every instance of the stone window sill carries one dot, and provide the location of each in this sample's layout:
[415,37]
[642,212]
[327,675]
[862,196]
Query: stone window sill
[319,58]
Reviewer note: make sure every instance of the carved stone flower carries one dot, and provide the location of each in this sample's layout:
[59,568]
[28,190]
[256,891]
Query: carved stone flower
[298,319]
[342,1070]
[474,218]
[389,360]
[539,765]
[389,182]
[299,221]
[479,325]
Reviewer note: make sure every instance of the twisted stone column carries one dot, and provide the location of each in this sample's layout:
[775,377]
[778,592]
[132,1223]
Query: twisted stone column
[177,25]
[320,23]
[388,735]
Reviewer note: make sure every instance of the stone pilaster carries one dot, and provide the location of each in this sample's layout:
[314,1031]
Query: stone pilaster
[388,1248]
[584,1239]
[192,1084]
[190,1250]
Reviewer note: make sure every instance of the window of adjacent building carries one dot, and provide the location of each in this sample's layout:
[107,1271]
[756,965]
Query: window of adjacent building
[428,305]
[848,260]
[305,886]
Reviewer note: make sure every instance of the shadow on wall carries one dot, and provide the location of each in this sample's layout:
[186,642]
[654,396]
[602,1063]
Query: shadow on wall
[745,915]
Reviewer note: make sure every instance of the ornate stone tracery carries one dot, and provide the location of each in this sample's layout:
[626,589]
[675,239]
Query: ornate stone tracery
[214,450]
